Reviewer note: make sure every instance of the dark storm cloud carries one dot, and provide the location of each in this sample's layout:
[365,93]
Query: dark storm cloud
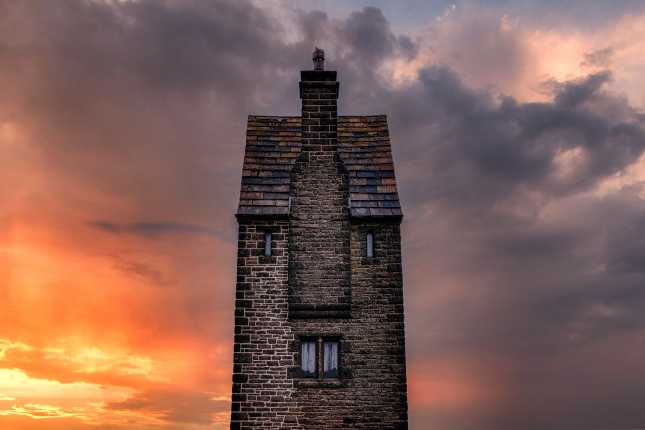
[500,197]
[168,45]
[511,256]
[491,165]
[572,94]
[158,89]
[500,202]
[355,47]
[364,37]
[501,144]
[369,35]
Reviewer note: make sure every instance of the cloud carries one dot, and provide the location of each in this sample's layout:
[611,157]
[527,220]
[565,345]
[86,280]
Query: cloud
[523,269]
[500,57]
[174,406]
[371,40]
[598,58]
[466,137]
[520,245]
[572,94]
[150,229]
[86,364]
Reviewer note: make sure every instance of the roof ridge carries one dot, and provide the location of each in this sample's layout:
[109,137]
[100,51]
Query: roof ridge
[376,115]
[273,116]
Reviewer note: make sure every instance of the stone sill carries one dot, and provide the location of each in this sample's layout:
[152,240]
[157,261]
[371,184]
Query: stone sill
[318,75]
[370,261]
[306,311]
[318,383]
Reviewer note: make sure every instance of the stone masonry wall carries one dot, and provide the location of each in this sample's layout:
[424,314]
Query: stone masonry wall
[262,392]
[371,392]
[319,232]
[319,229]
[319,283]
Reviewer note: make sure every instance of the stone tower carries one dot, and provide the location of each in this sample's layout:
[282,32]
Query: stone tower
[319,327]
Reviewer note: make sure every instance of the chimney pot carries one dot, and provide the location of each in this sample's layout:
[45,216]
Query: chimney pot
[319,59]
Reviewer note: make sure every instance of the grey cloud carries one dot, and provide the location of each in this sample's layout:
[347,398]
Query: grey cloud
[598,58]
[369,35]
[145,100]
[482,174]
[365,38]
[150,229]
[509,258]
[572,94]
[355,47]
[502,144]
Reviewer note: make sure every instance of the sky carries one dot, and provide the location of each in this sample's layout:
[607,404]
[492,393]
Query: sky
[518,131]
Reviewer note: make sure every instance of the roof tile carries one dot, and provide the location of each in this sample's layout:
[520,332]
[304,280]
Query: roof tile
[273,143]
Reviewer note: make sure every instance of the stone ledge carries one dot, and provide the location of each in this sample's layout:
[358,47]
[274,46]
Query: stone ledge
[333,86]
[317,383]
[244,214]
[318,75]
[306,311]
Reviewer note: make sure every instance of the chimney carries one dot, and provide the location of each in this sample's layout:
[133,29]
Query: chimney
[319,94]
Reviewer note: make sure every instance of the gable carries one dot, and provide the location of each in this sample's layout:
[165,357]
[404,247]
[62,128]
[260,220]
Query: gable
[273,143]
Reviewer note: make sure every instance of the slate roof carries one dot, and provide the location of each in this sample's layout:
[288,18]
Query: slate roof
[273,143]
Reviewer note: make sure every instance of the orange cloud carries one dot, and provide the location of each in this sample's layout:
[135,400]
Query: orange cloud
[120,151]
[46,399]
[94,321]
[175,406]
[92,386]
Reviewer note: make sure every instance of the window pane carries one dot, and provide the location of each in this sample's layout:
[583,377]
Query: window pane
[308,357]
[331,359]
[370,244]
[267,244]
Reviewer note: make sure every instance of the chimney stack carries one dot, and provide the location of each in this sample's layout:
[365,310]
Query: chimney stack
[319,94]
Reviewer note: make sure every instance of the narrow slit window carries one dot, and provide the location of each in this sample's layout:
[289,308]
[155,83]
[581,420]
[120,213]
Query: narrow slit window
[267,244]
[370,244]
[308,358]
[330,364]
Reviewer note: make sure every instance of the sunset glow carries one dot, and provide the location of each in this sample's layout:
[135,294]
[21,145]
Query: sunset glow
[519,138]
